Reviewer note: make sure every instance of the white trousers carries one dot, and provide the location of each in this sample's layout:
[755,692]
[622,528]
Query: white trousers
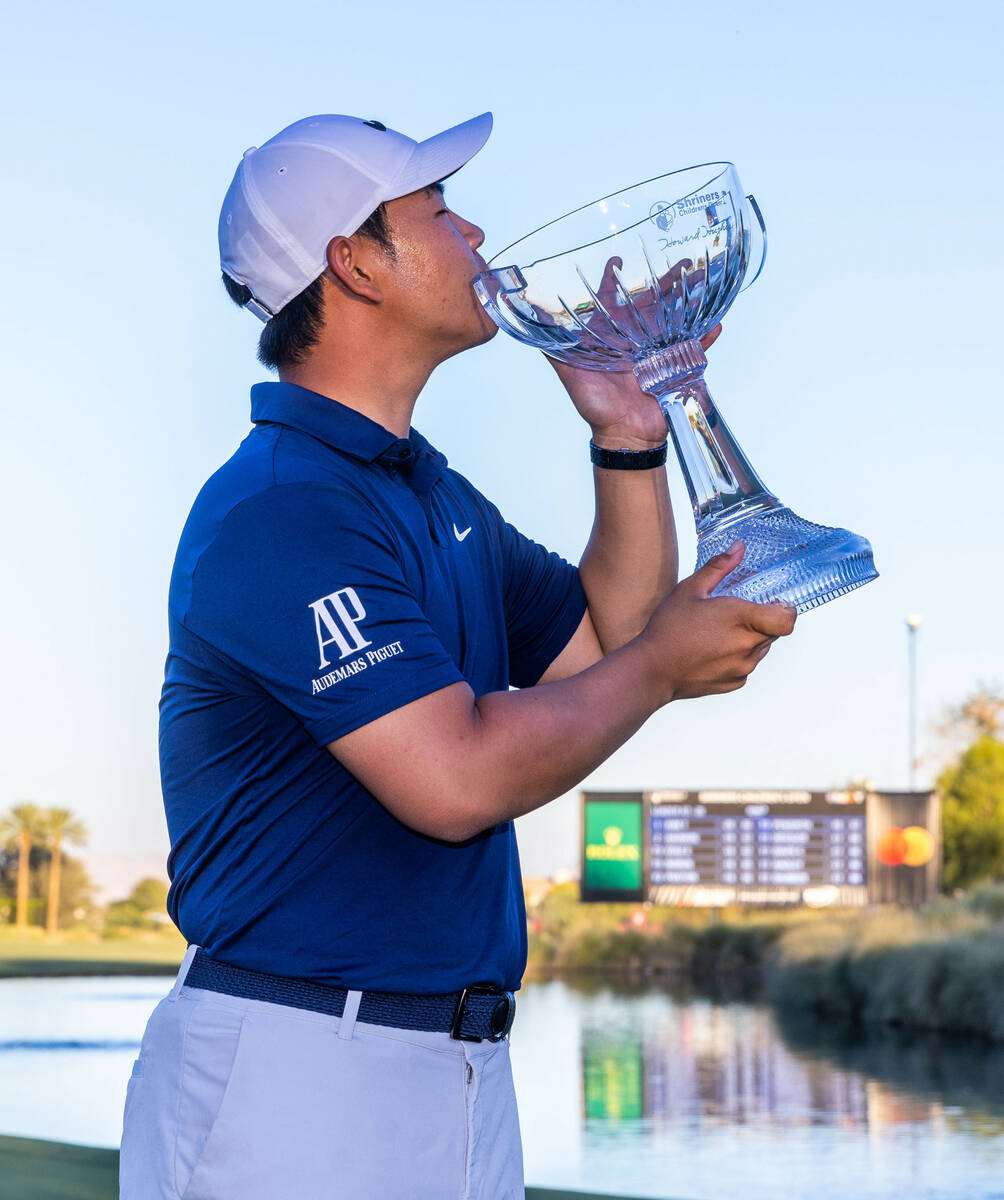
[235,1099]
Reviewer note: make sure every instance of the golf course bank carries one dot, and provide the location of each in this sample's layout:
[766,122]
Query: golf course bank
[31,953]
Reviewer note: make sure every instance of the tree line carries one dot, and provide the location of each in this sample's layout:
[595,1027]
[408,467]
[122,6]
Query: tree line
[26,826]
[36,874]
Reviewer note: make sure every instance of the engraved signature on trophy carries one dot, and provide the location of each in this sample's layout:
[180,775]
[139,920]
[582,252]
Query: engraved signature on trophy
[701,233]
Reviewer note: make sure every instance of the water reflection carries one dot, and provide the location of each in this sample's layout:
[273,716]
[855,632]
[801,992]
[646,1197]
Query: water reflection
[729,1060]
[613,1078]
[713,1062]
[707,1098]
[912,1073]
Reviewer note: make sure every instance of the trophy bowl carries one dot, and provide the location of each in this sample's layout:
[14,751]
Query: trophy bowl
[633,281]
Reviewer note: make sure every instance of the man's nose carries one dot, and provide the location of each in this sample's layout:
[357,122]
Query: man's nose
[474,235]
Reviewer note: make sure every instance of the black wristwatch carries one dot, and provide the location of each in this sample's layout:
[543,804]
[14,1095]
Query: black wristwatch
[627,460]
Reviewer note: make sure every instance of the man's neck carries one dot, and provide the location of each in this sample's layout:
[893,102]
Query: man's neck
[384,388]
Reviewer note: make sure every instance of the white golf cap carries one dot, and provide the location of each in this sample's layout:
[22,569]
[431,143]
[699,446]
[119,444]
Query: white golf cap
[317,179]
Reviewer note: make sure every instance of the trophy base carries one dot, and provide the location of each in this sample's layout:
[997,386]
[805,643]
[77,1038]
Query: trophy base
[788,559]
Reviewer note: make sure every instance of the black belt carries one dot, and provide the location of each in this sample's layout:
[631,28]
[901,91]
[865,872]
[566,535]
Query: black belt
[481,1011]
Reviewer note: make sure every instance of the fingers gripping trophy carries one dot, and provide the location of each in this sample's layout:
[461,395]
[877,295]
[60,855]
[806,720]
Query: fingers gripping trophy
[633,282]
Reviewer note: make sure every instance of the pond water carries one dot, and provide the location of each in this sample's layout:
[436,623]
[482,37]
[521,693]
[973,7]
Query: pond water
[622,1090]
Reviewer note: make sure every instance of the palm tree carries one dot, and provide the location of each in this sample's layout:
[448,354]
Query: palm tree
[23,824]
[58,825]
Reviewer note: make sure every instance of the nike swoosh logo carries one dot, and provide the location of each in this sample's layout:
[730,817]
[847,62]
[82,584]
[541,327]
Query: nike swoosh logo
[458,535]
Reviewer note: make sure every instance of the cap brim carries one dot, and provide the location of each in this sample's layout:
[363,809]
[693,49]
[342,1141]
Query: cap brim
[441,155]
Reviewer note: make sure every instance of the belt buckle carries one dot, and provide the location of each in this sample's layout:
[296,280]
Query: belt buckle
[501,1019]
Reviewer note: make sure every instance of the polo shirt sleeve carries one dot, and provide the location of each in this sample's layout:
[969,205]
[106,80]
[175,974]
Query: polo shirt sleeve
[302,589]
[544,604]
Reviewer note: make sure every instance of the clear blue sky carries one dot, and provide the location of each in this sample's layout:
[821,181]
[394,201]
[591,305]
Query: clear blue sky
[860,373]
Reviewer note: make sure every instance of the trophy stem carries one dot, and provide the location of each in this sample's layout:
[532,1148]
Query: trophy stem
[721,481]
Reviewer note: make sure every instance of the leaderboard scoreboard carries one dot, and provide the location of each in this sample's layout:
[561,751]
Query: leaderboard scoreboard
[770,847]
[714,848]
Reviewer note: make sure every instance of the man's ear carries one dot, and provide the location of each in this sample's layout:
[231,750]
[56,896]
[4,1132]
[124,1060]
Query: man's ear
[351,262]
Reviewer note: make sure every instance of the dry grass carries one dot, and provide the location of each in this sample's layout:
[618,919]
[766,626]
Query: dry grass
[939,968]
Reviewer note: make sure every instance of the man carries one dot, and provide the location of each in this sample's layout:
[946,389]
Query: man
[342,757]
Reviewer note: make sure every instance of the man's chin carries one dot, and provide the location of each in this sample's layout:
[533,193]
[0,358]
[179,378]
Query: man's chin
[487,329]
[487,324]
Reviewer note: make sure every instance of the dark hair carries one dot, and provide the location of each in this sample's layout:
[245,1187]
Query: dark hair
[296,327]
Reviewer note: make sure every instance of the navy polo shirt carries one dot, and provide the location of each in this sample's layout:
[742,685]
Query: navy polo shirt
[329,573]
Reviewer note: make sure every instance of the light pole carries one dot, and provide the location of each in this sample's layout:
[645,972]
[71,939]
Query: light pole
[912,625]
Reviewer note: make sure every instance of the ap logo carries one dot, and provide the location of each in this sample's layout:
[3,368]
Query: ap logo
[336,621]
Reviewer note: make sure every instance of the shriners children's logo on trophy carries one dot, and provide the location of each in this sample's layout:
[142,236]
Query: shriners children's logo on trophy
[632,282]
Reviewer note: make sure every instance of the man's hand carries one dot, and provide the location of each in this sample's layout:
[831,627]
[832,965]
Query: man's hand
[702,645]
[612,403]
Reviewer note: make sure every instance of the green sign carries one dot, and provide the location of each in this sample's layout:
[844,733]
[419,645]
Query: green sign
[612,853]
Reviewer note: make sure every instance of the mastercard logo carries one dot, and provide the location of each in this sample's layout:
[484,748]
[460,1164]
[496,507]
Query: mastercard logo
[913,847]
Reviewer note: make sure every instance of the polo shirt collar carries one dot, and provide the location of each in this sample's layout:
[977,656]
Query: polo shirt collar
[414,459]
[335,424]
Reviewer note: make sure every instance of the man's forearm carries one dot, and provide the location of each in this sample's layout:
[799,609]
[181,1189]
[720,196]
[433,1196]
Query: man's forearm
[630,562]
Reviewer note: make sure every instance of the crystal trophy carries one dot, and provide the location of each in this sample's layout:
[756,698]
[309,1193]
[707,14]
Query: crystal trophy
[632,282]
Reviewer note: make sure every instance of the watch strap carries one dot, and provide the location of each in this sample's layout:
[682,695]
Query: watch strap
[627,460]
